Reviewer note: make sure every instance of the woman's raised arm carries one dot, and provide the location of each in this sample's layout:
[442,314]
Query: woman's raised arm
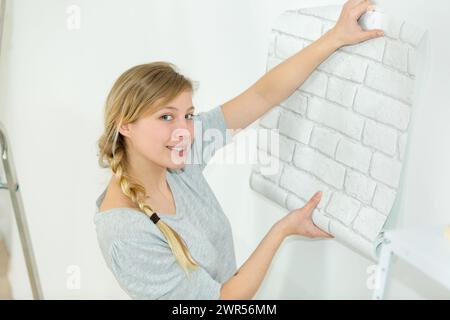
[281,81]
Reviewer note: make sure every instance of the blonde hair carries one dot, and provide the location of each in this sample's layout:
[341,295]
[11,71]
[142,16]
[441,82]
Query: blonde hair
[134,94]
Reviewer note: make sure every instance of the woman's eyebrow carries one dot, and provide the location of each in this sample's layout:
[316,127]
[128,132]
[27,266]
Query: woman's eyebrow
[170,107]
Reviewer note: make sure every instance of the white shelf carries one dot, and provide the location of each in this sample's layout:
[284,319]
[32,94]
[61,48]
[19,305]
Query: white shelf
[426,249]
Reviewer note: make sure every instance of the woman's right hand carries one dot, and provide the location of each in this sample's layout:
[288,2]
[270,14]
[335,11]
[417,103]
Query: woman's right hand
[347,29]
[299,221]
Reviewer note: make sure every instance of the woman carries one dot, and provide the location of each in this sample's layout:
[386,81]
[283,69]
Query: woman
[161,230]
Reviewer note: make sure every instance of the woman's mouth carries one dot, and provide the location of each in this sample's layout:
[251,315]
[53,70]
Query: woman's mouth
[180,150]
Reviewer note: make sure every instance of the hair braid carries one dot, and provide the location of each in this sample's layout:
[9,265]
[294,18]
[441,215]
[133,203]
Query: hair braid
[136,193]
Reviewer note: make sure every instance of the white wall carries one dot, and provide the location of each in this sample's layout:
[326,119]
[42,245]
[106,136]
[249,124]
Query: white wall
[53,85]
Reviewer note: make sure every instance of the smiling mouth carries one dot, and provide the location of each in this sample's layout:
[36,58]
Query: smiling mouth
[176,148]
[180,150]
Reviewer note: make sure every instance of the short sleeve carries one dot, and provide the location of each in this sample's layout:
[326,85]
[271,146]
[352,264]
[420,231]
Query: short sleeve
[151,272]
[211,135]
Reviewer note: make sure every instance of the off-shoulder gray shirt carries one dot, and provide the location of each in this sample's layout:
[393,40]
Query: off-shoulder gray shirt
[137,252]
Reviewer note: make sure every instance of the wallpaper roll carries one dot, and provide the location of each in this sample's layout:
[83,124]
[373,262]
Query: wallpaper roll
[345,130]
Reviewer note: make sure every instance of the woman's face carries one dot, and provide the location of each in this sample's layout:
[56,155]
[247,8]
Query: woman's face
[155,136]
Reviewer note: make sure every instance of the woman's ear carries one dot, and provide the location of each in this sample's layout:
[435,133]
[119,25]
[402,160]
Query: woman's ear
[124,129]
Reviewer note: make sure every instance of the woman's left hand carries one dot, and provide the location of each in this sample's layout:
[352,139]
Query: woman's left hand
[300,221]
[347,30]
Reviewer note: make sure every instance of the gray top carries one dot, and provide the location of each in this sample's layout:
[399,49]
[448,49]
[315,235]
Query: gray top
[137,252]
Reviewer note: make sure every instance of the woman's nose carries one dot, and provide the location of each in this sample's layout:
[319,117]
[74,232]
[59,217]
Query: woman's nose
[181,135]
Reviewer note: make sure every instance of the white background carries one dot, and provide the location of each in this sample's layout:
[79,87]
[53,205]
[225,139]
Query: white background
[53,83]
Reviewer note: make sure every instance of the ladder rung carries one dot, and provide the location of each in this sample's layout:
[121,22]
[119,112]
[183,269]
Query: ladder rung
[5,186]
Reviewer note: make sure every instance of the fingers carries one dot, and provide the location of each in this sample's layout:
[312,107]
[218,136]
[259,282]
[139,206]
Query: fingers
[362,8]
[314,201]
[366,35]
[324,234]
[353,3]
[319,233]
[359,10]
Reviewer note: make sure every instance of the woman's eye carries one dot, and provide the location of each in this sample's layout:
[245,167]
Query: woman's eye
[166,115]
[189,116]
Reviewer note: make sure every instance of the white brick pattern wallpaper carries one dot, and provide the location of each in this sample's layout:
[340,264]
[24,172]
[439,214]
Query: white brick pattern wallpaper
[345,129]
